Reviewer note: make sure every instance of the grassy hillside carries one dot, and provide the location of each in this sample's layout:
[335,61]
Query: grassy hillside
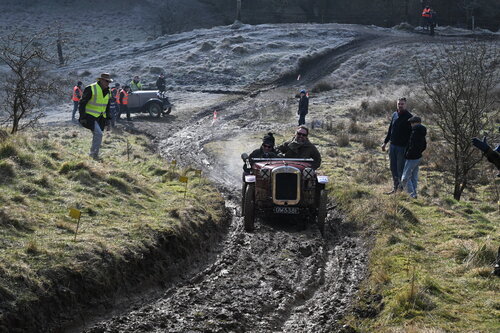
[135,214]
[431,263]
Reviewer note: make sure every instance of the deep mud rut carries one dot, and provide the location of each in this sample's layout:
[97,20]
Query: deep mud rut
[275,279]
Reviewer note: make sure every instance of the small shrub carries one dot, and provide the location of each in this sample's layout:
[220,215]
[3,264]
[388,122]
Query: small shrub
[32,247]
[369,141]
[377,108]
[7,172]
[343,139]
[8,150]
[322,86]
[72,166]
[471,254]
[25,161]
[119,184]
[354,127]
[410,300]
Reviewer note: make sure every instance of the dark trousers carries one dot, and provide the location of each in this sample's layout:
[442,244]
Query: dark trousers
[302,119]
[75,108]
[124,108]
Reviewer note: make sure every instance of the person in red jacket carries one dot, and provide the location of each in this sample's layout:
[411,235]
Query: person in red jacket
[77,96]
[122,100]
[427,17]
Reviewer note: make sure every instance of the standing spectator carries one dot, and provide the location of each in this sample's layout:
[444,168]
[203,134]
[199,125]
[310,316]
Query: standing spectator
[491,155]
[161,83]
[123,102]
[303,107]
[77,96]
[136,84]
[113,104]
[398,135]
[94,111]
[426,17]
[494,157]
[416,146]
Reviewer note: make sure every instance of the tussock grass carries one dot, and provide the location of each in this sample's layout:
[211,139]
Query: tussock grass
[127,210]
[431,262]
[322,86]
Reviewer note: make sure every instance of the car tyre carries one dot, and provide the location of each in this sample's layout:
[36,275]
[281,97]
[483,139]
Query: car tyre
[321,218]
[154,110]
[249,208]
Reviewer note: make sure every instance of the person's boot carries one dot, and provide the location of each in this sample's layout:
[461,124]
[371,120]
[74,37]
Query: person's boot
[391,191]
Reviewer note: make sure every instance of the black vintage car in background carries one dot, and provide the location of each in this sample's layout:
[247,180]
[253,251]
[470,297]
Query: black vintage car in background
[154,102]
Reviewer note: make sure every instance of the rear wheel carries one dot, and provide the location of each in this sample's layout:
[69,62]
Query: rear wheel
[154,110]
[249,208]
[322,212]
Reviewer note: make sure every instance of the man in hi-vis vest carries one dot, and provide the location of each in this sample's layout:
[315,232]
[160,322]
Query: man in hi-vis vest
[94,111]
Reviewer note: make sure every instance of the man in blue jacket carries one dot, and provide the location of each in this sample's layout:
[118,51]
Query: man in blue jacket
[398,135]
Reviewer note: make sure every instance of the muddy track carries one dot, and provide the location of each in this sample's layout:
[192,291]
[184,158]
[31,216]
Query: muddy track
[276,279]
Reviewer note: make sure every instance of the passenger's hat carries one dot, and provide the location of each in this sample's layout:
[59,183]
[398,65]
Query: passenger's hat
[105,76]
[303,91]
[117,84]
[415,119]
[268,139]
[79,83]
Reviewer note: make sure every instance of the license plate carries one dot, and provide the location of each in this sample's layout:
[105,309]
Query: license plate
[286,210]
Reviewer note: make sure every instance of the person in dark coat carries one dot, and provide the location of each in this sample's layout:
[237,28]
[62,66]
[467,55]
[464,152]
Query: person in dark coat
[398,135]
[266,150]
[493,156]
[161,83]
[301,147]
[303,107]
[413,156]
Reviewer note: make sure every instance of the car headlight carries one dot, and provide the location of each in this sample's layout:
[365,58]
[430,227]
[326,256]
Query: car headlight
[265,173]
[308,173]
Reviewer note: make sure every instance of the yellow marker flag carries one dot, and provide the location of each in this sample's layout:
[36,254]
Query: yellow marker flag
[197,173]
[183,179]
[75,213]
[174,162]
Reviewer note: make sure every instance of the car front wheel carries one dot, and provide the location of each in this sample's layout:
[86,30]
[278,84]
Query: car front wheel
[154,109]
[249,208]
[322,212]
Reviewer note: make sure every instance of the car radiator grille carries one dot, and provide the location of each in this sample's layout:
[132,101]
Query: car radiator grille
[286,186]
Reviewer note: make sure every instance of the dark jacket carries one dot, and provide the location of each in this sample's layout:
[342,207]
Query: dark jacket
[306,150]
[161,84]
[259,153]
[399,129]
[493,156]
[87,120]
[417,142]
[303,105]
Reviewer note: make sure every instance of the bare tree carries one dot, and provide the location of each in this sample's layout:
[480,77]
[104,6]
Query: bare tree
[25,84]
[459,87]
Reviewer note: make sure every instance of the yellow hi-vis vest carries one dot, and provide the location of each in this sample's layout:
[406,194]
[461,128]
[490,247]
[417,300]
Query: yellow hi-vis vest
[96,106]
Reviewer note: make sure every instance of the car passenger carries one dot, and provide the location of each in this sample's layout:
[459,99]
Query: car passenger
[301,147]
[266,150]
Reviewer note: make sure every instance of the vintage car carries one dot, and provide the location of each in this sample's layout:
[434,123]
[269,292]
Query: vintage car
[154,102]
[286,187]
